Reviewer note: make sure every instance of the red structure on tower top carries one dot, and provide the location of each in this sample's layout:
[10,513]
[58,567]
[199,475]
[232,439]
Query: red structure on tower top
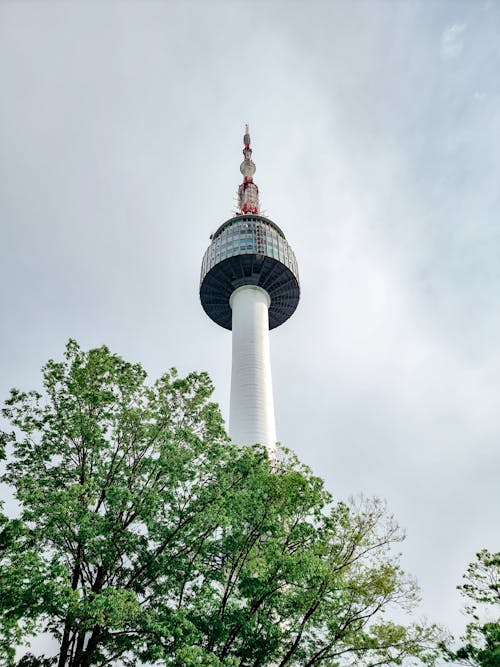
[248,192]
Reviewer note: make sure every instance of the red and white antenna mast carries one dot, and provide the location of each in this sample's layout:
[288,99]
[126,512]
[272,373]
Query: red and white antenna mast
[248,192]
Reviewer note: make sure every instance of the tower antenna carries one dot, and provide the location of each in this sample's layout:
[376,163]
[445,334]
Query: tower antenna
[248,192]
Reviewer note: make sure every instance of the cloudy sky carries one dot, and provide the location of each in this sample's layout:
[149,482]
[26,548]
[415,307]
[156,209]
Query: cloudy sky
[375,127]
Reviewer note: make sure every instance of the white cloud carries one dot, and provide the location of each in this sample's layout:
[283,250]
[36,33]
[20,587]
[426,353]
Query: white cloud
[451,40]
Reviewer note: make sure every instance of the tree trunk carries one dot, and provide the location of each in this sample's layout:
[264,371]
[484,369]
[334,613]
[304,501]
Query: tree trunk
[66,639]
[91,647]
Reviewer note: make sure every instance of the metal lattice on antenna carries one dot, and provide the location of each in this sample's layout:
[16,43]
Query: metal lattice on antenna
[248,192]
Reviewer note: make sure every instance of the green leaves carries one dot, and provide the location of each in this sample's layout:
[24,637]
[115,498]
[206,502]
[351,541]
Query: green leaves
[112,608]
[146,535]
[481,587]
[482,579]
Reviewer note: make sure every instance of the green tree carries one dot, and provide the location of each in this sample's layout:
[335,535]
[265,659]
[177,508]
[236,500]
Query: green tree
[481,587]
[145,535]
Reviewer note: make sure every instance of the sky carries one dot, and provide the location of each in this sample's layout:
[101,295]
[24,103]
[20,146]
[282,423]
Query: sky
[375,129]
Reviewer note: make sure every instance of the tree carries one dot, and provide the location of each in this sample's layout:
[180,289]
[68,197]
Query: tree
[145,535]
[481,641]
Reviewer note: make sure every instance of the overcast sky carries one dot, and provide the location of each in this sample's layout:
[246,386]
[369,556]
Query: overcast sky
[375,128]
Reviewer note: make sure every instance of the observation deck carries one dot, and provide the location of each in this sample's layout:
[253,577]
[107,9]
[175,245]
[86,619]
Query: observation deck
[249,249]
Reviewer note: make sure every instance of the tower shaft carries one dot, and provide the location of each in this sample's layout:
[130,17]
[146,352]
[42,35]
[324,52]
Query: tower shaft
[251,416]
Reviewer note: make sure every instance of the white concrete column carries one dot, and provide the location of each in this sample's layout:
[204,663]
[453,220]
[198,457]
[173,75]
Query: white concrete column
[251,413]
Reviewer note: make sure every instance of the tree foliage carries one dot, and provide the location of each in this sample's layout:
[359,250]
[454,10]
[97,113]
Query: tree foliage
[145,535]
[481,588]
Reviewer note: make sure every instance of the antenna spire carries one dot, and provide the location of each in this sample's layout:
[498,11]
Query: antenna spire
[248,192]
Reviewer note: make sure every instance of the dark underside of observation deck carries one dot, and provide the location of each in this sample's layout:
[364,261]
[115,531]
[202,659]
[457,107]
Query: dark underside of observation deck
[261,270]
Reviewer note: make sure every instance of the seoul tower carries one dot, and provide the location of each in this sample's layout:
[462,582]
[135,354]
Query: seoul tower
[250,284]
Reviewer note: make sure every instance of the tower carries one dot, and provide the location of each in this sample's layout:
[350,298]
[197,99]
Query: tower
[250,284]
